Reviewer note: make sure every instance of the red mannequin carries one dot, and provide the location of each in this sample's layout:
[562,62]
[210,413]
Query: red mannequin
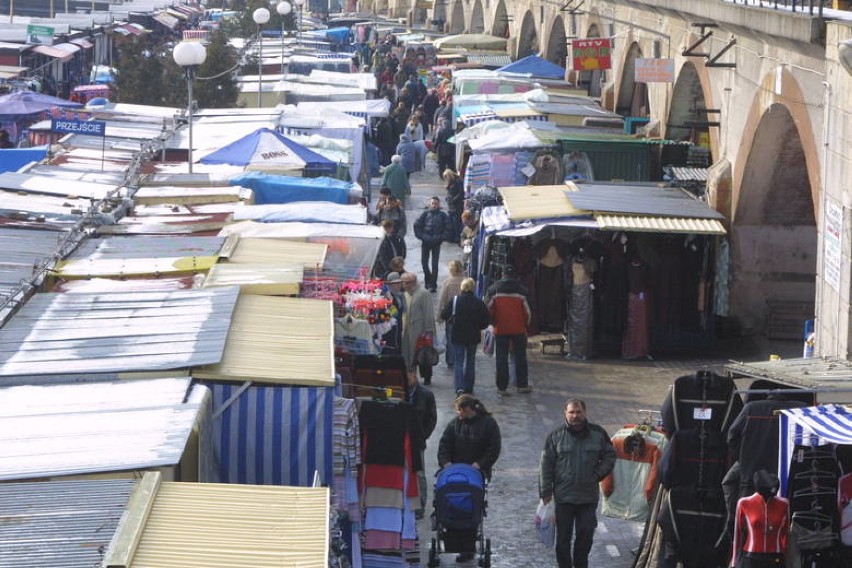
[761,524]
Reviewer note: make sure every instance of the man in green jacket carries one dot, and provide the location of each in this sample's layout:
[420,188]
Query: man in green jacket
[576,456]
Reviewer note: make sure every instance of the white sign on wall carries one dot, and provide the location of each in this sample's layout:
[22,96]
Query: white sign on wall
[833,243]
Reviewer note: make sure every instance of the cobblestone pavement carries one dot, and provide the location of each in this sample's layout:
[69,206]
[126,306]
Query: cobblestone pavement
[614,391]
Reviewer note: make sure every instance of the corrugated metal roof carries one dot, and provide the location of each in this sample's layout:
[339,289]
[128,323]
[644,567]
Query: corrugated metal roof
[186,195]
[538,202]
[824,373]
[61,524]
[278,340]
[639,199]
[97,333]
[258,279]
[238,526]
[90,428]
[488,60]
[20,250]
[689,174]
[141,255]
[30,207]
[643,224]
[44,184]
[148,247]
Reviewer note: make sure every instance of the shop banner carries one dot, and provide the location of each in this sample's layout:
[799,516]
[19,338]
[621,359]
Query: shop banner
[654,71]
[39,35]
[591,54]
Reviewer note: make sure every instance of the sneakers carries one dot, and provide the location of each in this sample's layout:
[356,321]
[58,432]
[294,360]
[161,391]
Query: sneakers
[459,392]
[524,390]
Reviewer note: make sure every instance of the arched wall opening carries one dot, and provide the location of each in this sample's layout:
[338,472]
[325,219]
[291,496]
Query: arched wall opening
[457,18]
[477,19]
[557,48]
[632,96]
[688,116]
[500,27]
[591,80]
[528,40]
[774,234]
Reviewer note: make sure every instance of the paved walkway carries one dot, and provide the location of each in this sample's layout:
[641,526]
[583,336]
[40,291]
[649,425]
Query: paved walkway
[614,391]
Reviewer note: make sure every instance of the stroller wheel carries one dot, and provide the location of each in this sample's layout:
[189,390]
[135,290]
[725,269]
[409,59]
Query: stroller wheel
[485,561]
[433,555]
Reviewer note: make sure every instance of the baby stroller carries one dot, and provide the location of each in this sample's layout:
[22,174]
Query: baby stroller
[459,509]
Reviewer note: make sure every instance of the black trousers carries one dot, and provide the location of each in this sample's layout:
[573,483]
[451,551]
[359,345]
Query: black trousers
[580,522]
[430,273]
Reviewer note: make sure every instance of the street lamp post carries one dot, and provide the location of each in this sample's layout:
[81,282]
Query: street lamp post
[189,55]
[260,17]
[283,8]
[300,4]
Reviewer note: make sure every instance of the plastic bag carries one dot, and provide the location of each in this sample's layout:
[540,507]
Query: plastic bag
[488,340]
[545,523]
[439,342]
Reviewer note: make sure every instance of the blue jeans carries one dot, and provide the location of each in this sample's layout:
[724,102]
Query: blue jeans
[465,367]
[518,344]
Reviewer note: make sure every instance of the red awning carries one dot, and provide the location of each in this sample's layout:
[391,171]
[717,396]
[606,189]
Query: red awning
[51,51]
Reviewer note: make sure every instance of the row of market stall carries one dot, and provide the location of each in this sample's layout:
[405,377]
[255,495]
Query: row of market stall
[182,326]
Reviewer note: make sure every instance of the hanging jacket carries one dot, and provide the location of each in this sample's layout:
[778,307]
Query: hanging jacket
[689,460]
[629,489]
[754,437]
[572,463]
[693,523]
[715,394]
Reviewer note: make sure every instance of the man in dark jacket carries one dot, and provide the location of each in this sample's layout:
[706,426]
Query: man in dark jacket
[423,402]
[468,316]
[510,314]
[392,245]
[576,456]
[432,228]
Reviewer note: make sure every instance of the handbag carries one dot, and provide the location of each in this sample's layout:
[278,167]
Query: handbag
[428,356]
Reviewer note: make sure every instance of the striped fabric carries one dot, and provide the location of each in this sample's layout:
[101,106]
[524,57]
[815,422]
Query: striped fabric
[273,435]
[811,426]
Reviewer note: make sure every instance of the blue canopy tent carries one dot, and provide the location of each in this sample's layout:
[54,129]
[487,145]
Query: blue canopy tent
[266,149]
[285,189]
[22,104]
[534,66]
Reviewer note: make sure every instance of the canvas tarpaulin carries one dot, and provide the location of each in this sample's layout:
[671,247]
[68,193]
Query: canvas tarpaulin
[273,435]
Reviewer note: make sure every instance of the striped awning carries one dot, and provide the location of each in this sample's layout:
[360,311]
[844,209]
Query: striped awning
[645,224]
[811,426]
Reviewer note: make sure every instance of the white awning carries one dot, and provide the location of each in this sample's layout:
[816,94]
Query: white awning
[644,224]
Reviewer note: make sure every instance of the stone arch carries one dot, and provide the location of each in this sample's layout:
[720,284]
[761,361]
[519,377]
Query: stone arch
[477,19]
[687,111]
[557,49]
[775,204]
[591,80]
[528,38]
[632,98]
[500,26]
[456,22]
